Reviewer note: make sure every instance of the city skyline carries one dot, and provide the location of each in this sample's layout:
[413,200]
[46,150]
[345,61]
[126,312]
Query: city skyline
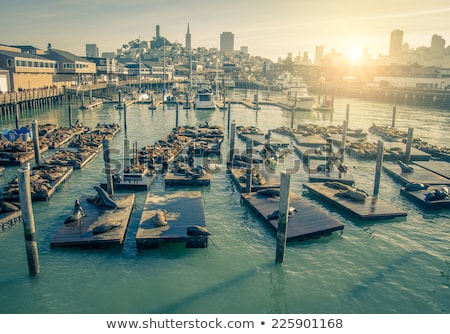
[268,29]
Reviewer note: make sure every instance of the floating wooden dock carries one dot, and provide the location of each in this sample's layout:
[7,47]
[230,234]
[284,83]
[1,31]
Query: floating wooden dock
[184,208]
[113,221]
[419,175]
[92,105]
[418,197]
[397,151]
[335,175]
[272,180]
[173,179]
[308,222]
[441,168]
[132,183]
[372,208]
[260,139]
[8,219]
[45,181]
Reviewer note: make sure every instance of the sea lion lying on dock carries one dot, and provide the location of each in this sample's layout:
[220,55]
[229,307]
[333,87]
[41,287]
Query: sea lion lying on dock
[405,168]
[437,195]
[102,199]
[354,194]
[276,213]
[104,228]
[269,192]
[160,218]
[413,186]
[196,230]
[77,214]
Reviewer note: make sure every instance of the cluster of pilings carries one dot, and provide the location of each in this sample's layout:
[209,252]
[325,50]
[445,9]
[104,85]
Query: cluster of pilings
[12,103]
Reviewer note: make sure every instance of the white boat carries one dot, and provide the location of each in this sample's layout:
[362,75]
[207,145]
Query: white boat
[204,99]
[296,91]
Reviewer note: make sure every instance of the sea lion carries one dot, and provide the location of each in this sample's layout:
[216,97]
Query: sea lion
[356,195]
[413,186]
[104,228]
[269,192]
[276,213]
[102,198]
[437,194]
[77,214]
[405,168]
[196,230]
[8,207]
[160,218]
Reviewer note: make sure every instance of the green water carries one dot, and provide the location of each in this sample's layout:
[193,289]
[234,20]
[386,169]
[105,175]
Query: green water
[395,266]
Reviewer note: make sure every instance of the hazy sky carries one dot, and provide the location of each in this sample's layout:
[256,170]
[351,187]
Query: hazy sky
[269,28]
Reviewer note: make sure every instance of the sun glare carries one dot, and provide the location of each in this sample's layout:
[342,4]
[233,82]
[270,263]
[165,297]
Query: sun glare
[355,54]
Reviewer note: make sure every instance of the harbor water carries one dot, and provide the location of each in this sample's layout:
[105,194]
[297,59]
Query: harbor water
[393,266]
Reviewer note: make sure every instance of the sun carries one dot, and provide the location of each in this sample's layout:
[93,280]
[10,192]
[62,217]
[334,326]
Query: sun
[355,54]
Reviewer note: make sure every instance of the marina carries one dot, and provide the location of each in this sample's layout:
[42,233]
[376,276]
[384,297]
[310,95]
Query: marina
[358,271]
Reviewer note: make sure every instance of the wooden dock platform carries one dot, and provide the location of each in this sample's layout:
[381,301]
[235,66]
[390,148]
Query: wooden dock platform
[308,222]
[183,208]
[418,197]
[238,173]
[441,168]
[92,105]
[45,181]
[173,179]
[132,183]
[113,221]
[8,219]
[419,175]
[397,151]
[372,208]
[335,175]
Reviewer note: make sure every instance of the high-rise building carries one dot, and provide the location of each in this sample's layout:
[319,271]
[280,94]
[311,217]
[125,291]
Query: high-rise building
[157,31]
[226,42]
[91,50]
[395,46]
[437,45]
[188,39]
[319,55]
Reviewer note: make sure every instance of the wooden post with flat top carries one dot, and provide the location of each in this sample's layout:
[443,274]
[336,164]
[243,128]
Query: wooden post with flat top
[107,160]
[283,216]
[379,163]
[28,220]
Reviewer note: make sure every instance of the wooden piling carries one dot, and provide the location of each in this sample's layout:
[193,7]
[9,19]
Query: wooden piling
[28,220]
[282,216]
[229,117]
[126,153]
[107,160]
[232,138]
[125,116]
[394,112]
[176,115]
[378,167]
[344,139]
[248,179]
[409,141]
[70,113]
[347,113]
[16,115]
[293,111]
[37,150]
